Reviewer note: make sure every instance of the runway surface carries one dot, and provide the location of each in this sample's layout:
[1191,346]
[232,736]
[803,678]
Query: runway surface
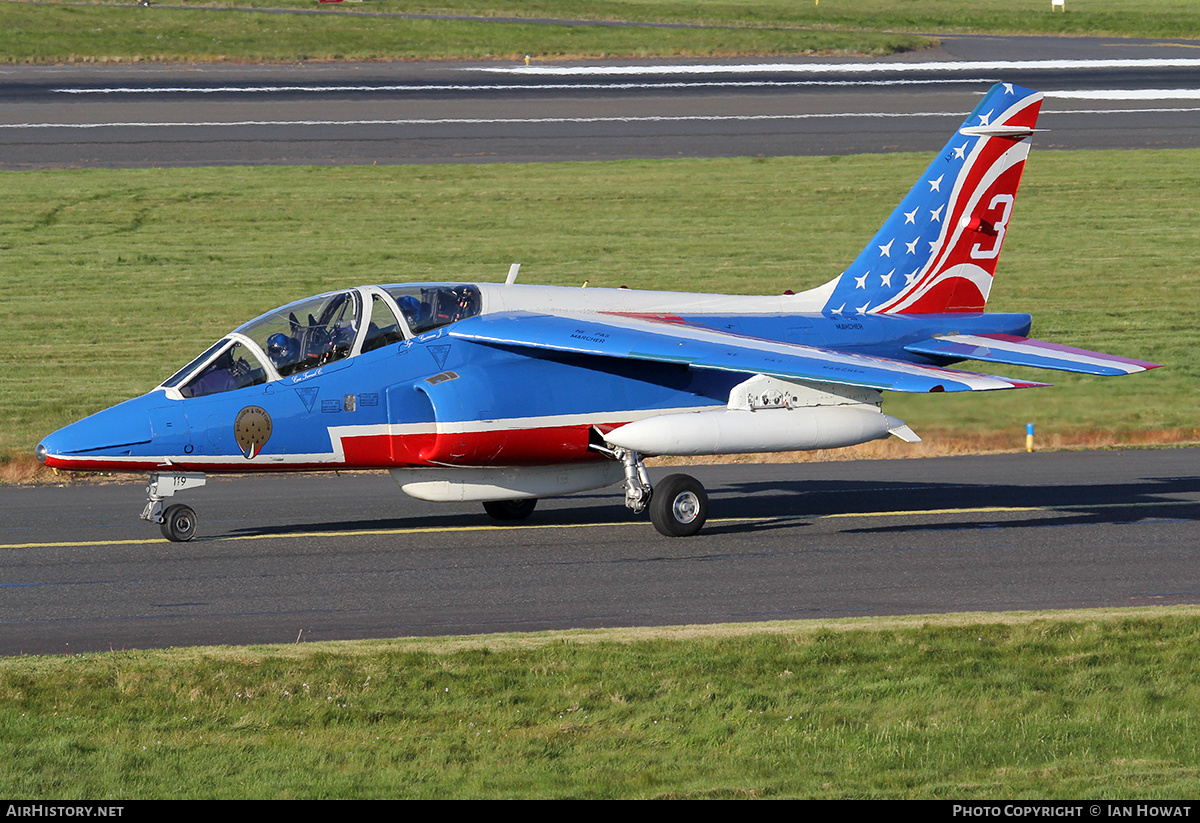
[1101,93]
[282,558]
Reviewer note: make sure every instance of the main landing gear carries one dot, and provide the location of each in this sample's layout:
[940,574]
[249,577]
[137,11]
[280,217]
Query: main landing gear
[510,509]
[678,507]
[177,521]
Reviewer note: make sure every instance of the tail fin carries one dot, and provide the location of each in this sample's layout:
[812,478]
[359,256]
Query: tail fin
[938,250]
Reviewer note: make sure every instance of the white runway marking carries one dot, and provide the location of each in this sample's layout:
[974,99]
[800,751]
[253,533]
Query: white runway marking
[702,84]
[469,120]
[1126,94]
[488,121]
[856,68]
[1083,94]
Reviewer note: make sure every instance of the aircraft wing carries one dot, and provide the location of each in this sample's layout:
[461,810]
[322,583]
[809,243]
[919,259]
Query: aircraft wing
[701,348]
[1024,351]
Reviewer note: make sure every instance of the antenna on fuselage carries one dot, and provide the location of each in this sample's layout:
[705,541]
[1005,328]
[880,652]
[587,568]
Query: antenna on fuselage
[512,274]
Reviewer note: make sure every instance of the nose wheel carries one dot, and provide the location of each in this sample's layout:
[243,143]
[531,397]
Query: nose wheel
[179,523]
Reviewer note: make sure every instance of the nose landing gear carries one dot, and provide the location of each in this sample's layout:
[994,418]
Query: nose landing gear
[177,522]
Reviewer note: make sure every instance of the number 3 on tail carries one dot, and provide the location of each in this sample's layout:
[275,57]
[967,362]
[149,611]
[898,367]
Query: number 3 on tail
[1005,202]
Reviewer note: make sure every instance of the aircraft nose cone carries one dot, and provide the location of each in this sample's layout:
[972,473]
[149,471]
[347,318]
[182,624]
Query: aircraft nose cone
[110,432]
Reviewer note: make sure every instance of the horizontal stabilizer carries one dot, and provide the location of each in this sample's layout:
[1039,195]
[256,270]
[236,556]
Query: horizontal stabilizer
[1024,351]
[703,348]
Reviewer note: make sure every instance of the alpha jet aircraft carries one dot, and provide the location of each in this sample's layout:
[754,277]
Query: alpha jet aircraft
[505,393]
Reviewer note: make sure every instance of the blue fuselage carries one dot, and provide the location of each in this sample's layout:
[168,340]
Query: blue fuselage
[435,400]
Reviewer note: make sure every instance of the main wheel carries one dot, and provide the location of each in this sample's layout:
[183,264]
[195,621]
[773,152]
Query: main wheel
[678,506]
[179,523]
[510,509]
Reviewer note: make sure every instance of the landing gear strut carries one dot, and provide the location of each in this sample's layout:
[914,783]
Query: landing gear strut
[177,522]
[678,507]
[637,481]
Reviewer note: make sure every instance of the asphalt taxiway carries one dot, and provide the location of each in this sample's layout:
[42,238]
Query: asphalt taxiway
[286,558]
[1101,93]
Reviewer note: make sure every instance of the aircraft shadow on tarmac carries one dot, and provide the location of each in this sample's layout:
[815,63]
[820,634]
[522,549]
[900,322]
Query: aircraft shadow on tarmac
[1153,498]
[601,508]
[780,505]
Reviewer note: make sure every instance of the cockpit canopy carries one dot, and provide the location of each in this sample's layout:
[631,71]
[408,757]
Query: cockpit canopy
[318,330]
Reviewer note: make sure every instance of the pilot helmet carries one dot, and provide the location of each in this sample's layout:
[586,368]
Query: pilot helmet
[281,348]
[411,307]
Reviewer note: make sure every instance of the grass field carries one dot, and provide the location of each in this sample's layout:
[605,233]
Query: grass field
[67,33]
[47,32]
[113,279]
[1072,705]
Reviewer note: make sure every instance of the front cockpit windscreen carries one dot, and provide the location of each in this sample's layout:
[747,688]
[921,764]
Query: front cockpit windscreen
[429,307]
[308,333]
[234,368]
[297,337]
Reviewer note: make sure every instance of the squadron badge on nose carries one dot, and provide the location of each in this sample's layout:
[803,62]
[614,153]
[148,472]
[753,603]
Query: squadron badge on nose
[252,429]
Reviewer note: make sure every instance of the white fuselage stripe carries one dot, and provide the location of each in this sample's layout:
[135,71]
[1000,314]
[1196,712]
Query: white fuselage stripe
[339,433]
